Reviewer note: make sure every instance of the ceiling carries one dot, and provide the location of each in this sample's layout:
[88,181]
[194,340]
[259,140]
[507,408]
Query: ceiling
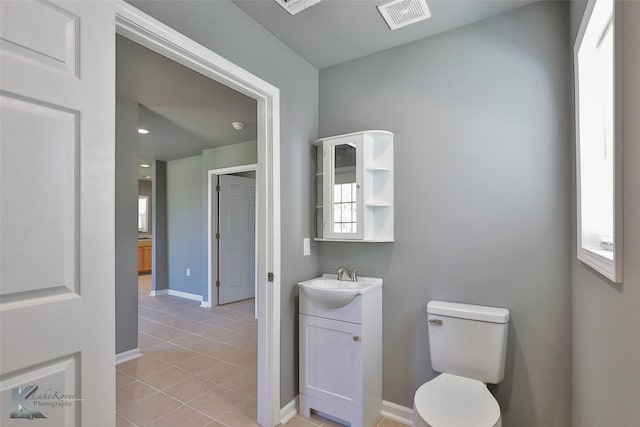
[335,31]
[184,111]
[187,112]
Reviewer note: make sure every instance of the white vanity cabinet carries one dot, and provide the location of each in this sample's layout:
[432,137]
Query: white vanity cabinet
[341,359]
[354,187]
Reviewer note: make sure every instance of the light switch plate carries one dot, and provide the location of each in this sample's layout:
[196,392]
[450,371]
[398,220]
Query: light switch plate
[306,244]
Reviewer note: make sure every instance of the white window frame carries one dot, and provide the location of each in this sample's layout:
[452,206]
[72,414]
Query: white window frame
[609,265]
[145,227]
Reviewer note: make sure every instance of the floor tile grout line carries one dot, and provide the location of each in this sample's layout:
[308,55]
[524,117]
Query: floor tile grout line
[130,421]
[230,362]
[195,309]
[199,335]
[201,353]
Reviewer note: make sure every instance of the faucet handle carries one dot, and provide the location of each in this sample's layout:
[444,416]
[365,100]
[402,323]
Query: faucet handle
[341,272]
[353,274]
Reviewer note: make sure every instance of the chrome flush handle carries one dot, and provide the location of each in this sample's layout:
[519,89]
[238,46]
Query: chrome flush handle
[435,322]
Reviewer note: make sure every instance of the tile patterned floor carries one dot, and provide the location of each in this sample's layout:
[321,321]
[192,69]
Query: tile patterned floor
[198,367]
[317,421]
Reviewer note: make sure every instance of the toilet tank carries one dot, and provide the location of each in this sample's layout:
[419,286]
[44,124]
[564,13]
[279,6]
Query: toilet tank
[468,340]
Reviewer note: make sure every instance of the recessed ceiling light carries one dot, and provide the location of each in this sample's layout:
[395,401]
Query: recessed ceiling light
[238,125]
[148,177]
[144,165]
[143,131]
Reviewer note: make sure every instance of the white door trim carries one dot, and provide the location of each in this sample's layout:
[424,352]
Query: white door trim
[141,28]
[212,299]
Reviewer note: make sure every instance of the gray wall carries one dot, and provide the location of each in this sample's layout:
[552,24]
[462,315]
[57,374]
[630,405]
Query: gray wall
[145,189]
[160,267]
[243,153]
[126,225]
[225,29]
[606,335]
[481,117]
[187,215]
[184,224]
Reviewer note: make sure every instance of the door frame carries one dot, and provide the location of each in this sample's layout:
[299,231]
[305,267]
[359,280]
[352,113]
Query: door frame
[212,216]
[141,28]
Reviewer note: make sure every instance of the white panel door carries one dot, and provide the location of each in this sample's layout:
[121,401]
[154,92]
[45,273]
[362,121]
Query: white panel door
[57,213]
[236,245]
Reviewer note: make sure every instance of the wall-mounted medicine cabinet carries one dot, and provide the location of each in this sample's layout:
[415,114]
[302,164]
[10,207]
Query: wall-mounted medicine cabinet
[354,187]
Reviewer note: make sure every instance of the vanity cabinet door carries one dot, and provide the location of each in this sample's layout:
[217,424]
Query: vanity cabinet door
[331,359]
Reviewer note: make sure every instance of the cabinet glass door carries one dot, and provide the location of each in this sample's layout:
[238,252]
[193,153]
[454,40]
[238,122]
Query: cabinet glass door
[342,195]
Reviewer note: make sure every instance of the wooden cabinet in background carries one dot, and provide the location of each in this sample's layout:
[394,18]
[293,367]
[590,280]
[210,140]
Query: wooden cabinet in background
[144,256]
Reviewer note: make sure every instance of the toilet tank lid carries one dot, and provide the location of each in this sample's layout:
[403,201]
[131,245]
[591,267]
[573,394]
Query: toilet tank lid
[468,311]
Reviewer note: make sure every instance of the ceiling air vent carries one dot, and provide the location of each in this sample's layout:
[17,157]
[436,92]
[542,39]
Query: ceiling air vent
[295,6]
[400,13]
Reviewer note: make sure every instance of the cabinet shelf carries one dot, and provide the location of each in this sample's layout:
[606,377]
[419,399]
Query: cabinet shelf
[375,169]
[378,205]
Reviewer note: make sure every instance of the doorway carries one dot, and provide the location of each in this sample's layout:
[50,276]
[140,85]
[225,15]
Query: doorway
[232,232]
[136,26]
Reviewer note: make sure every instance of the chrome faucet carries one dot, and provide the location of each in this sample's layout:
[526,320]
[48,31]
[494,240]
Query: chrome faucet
[352,277]
[342,271]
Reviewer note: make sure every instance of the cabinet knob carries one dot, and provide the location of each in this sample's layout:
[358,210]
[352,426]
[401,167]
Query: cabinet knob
[356,338]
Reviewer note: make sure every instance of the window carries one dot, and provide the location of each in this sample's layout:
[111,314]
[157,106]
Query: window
[344,208]
[598,137]
[143,214]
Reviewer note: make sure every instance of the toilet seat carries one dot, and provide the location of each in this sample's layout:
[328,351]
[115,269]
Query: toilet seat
[453,401]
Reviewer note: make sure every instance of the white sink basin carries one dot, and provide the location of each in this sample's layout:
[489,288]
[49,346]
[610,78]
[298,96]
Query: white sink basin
[330,292]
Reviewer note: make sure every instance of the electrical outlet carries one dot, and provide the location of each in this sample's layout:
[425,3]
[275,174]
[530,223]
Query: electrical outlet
[188,272]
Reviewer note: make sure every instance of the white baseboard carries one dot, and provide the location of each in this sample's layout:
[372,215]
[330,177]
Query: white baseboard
[185,295]
[128,355]
[397,413]
[205,304]
[289,411]
[390,410]
[180,294]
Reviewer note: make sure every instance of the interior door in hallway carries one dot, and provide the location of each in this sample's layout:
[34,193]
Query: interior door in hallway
[236,243]
[57,213]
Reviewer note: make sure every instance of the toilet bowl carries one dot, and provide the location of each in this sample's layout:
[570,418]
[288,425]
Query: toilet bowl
[453,401]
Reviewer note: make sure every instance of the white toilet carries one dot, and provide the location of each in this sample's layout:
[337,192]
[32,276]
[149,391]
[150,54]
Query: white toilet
[468,346]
